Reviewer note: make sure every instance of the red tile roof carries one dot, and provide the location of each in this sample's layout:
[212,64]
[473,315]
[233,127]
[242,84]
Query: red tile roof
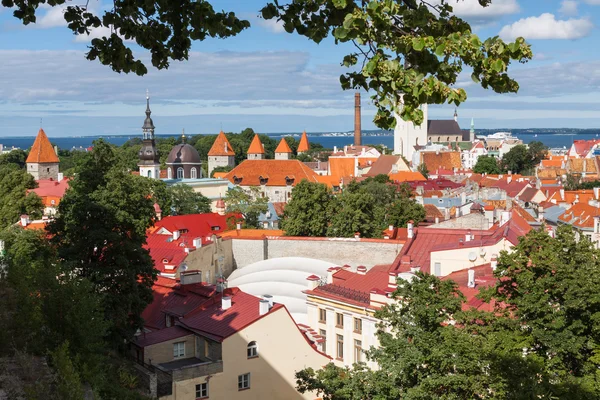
[431,212]
[42,150]
[484,277]
[283,147]
[275,171]
[529,193]
[148,339]
[583,147]
[256,146]
[212,320]
[580,215]
[221,146]
[444,159]
[407,176]
[303,145]
[341,166]
[50,190]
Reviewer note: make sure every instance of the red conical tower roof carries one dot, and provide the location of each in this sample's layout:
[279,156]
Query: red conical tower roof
[256,147]
[42,150]
[283,147]
[303,145]
[221,146]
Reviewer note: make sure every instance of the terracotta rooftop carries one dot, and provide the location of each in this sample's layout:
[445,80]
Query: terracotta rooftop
[275,172]
[283,147]
[443,159]
[303,145]
[341,166]
[580,215]
[256,146]
[49,189]
[407,176]
[484,277]
[221,146]
[42,150]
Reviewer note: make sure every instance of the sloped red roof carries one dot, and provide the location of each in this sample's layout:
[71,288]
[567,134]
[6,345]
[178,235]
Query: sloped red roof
[447,160]
[256,146]
[303,145]
[529,193]
[148,339]
[407,176]
[221,147]
[580,215]
[341,166]
[583,147]
[50,187]
[274,171]
[42,150]
[484,277]
[211,319]
[283,147]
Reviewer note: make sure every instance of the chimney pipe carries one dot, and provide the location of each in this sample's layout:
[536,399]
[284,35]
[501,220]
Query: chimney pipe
[357,127]
[471,282]
[410,227]
[226,303]
[269,298]
[263,307]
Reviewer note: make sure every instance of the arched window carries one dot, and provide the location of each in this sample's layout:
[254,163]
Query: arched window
[193,173]
[149,173]
[252,350]
[169,173]
[179,173]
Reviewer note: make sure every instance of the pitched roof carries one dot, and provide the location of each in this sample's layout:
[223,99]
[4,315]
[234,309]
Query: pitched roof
[42,150]
[221,146]
[572,196]
[529,193]
[211,319]
[583,147]
[383,165]
[581,215]
[256,146]
[341,166]
[50,187]
[249,172]
[162,335]
[484,277]
[443,127]
[431,212]
[283,147]
[581,165]
[407,176]
[443,159]
[303,145]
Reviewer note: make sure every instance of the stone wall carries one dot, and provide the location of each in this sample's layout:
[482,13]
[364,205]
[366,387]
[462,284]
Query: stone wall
[354,252]
[43,170]
[207,258]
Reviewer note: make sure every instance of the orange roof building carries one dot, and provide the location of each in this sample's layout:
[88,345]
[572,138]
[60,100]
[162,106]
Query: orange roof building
[283,150]
[221,154]
[256,151]
[42,161]
[303,146]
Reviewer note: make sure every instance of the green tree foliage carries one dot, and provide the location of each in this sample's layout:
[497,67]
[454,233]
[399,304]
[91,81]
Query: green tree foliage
[16,157]
[539,341]
[422,168]
[99,233]
[536,151]
[249,203]
[523,159]
[185,200]
[14,199]
[413,47]
[366,207]
[307,213]
[69,385]
[226,168]
[487,165]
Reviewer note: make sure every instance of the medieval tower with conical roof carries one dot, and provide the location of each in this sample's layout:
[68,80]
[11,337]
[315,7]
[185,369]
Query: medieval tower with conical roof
[42,161]
[149,159]
[221,154]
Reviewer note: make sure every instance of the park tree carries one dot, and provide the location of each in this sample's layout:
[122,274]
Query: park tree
[422,168]
[405,52]
[537,151]
[16,156]
[351,213]
[517,160]
[184,200]
[307,212]
[403,208]
[14,199]
[487,165]
[99,233]
[249,203]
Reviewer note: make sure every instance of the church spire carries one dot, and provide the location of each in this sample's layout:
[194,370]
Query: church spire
[456,115]
[148,127]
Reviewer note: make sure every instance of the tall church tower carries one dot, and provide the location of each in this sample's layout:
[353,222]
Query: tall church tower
[472,131]
[42,161]
[149,158]
[407,135]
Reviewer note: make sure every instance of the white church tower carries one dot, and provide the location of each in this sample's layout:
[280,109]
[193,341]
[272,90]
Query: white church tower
[407,135]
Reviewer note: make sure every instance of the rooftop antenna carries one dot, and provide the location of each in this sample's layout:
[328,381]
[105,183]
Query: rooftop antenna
[147,94]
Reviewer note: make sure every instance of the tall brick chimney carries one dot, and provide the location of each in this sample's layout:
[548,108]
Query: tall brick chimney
[357,128]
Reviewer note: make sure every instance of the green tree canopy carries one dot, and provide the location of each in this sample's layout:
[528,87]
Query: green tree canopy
[249,203]
[14,199]
[487,165]
[185,200]
[414,47]
[99,233]
[307,212]
[518,160]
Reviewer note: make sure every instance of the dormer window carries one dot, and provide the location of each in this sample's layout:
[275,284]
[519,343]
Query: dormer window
[289,180]
[237,179]
[263,180]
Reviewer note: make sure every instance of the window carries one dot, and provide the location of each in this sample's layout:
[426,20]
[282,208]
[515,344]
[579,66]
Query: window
[340,347]
[207,280]
[357,325]
[244,381]
[178,349]
[202,390]
[252,350]
[323,334]
[169,173]
[149,173]
[322,315]
[437,269]
[179,173]
[47,169]
[339,320]
[194,173]
[357,350]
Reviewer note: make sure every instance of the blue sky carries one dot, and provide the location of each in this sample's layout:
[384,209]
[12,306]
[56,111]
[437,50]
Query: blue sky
[276,82]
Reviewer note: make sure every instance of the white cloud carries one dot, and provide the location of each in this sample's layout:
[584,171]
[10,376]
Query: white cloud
[271,25]
[53,18]
[568,8]
[472,8]
[546,26]
[95,33]
[592,2]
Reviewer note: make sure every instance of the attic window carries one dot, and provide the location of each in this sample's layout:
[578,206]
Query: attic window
[237,179]
[289,180]
[263,179]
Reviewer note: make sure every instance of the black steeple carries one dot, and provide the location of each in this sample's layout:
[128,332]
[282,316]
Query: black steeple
[148,154]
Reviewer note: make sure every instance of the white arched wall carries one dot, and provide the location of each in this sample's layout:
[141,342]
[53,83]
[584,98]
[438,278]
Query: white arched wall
[284,278]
